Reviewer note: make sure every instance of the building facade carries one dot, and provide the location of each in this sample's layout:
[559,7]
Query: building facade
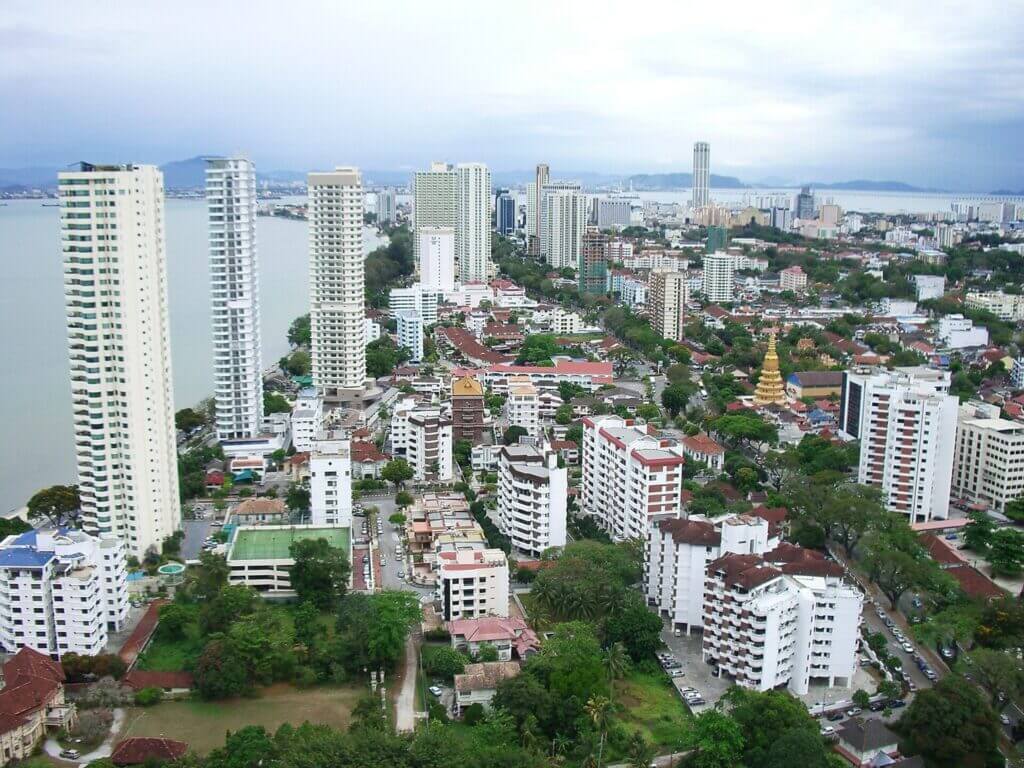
[718,281]
[434,204]
[532,498]
[330,481]
[418,298]
[472,584]
[119,349]
[467,410]
[473,228]
[307,420]
[666,302]
[505,213]
[522,406]
[64,591]
[422,435]
[534,225]
[435,248]
[386,208]
[701,174]
[336,278]
[410,334]
[564,216]
[989,458]
[793,279]
[592,275]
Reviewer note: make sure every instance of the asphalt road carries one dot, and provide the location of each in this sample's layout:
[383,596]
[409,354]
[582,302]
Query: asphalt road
[391,565]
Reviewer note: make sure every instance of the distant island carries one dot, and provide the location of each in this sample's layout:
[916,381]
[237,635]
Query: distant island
[864,185]
[657,181]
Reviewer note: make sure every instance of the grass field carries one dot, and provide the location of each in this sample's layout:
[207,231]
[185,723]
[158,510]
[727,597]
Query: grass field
[273,544]
[204,724]
[173,654]
[647,703]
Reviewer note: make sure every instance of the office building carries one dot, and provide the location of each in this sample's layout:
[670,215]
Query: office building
[417,298]
[564,218]
[386,208]
[435,247]
[906,421]
[785,619]
[1017,374]
[592,275]
[473,221]
[532,497]
[472,584]
[701,174]
[235,297]
[307,419]
[614,212]
[422,435]
[505,213]
[336,281]
[667,294]
[467,410]
[793,279]
[804,208]
[64,591]
[330,481]
[410,333]
[989,459]
[534,225]
[930,286]
[434,203]
[522,406]
[119,351]
[782,218]
[629,475]
[718,281]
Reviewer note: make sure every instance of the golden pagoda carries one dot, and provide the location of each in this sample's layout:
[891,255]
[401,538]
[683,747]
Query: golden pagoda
[769,386]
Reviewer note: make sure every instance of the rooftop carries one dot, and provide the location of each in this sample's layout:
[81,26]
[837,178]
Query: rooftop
[272,542]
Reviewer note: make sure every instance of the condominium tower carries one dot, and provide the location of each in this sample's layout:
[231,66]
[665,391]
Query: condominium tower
[564,218]
[336,281]
[115,280]
[436,261]
[473,224]
[701,174]
[719,270]
[533,212]
[667,302]
[234,296]
[386,206]
[434,203]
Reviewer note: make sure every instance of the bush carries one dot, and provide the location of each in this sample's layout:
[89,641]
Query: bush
[438,713]
[305,677]
[473,714]
[437,635]
[147,697]
[443,661]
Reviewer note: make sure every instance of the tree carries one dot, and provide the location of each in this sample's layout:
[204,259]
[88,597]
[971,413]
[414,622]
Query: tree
[13,526]
[320,571]
[622,359]
[188,419]
[717,740]
[1006,552]
[300,332]
[978,532]
[512,435]
[443,661]
[403,499]
[228,605]
[58,505]
[219,672]
[799,747]
[397,518]
[742,430]
[274,402]
[861,698]
[999,673]
[641,752]
[563,415]
[675,397]
[297,498]
[950,726]
[1015,509]
[174,617]
[763,716]
[397,471]
[383,356]
[298,363]
[853,510]
[599,709]
[616,661]
[211,576]
[635,627]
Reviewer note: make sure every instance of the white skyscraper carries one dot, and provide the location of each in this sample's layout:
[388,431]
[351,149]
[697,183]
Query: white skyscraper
[410,333]
[701,174]
[433,202]
[386,206]
[534,227]
[234,296]
[719,271]
[473,231]
[330,480]
[436,248]
[563,221]
[115,278]
[336,281]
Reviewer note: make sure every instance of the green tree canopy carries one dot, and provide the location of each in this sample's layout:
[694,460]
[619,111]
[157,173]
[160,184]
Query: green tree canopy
[320,572]
[58,505]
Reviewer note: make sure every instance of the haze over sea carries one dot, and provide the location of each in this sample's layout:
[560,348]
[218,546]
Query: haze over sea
[36,407]
[36,400]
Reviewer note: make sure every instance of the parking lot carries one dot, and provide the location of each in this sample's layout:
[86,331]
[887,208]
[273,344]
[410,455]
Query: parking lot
[692,671]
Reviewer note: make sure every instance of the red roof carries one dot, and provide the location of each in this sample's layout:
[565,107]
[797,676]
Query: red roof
[771,514]
[365,452]
[24,694]
[467,344]
[138,750]
[31,663]
[10,723]
[939,551]
[567,445]
[138,679]
[132,647]
[973,582]
[701,443]
[691,532]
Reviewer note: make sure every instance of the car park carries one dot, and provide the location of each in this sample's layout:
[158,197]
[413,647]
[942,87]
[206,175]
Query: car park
[676,673]
[853,711]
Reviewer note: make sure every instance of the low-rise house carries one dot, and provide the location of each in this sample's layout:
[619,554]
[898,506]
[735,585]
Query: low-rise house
[702,448]
[367,460]
[479,682]
[172,683]
[860,740]
[510,637]
[568,450]
[259,511]
[31,704]
[814,384]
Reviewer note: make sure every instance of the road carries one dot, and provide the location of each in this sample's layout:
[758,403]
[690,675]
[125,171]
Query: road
[405,703]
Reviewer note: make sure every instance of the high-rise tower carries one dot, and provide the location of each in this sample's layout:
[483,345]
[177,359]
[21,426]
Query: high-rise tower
[473,227]
[234,296]
[119,347]
[701,174]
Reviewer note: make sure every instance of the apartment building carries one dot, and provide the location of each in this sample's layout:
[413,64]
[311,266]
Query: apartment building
[64,591]
[386,208]
[119,350]
[330,480]
[532,497]
[783,619]
[410,333]
[235,297]
[473,221]
[434,206]
[989,458]
[472,584]
[564,214]
[930,286]
[422,435]
[522,406]
[419,298]
[629,475]
[436,258]
[666,306]
[307,419]
[906,422]
[467,410]
[498,377]
[534,218]
[793,279]
[593,268]
[718,282]
[677,552]
[1005,306]
[336,278]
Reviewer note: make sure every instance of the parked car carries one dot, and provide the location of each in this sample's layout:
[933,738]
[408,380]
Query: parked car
[1005,719]
[436,690]
[877,706]
[908,647]
[70,754]
[853,711]
[835,716]
[828,731]
[676,673]
[947,652]
[897,703]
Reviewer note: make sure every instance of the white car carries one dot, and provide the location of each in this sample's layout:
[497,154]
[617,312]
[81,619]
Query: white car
[436,690]
[908,647]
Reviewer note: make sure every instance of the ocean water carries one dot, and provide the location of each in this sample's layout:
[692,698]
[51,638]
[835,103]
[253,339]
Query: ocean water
[36,400]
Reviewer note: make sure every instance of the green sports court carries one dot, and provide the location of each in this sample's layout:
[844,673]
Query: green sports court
[272,543]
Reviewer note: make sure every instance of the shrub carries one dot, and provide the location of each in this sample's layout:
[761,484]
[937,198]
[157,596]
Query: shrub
[438,634]
[438,713]
[147,697]
[305,677]
[443,661]
[473,714]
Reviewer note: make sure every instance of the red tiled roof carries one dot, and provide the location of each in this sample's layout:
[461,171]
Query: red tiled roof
[138,679]
[363,452]
[10,723]
[24,694]
[136,641]
[939,551]
[138,750]
[701,443]
[31,663]
[691,532]
[569,445]
[746,570]
[771,514]
[467,344]
[973,582]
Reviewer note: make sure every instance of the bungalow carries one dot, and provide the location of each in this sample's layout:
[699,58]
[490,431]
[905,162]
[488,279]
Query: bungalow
[259,510]
[479,682]
[214,480]
[702,448]
[367,461]
[860,740]
[715,317]
[568,450]
[510,637]
[31,701]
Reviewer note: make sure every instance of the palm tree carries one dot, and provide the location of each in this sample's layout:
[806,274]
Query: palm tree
[560,744]
[640,752]
[599,710]
[616,662]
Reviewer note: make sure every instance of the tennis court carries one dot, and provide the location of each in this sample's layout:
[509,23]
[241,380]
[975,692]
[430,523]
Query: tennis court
[272,543]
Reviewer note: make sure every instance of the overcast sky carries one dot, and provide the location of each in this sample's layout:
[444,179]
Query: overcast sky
[926,92]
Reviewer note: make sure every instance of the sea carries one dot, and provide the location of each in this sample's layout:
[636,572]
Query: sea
[35,404]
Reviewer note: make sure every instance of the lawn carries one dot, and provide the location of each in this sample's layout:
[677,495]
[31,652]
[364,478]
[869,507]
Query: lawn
[203,724]
[647,703]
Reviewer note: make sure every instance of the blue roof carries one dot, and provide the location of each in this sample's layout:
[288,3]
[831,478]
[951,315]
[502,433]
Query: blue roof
[793,378]
[246,475]
[26,539]
[18,557]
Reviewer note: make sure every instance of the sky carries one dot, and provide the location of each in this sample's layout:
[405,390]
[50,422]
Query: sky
[930,93]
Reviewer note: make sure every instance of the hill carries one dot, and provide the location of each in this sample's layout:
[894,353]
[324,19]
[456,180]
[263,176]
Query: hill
[655,181]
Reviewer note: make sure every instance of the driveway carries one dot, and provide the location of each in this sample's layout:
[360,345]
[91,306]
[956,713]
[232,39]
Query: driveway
[405,703]
[52,747]
[196,532]
[696,673]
